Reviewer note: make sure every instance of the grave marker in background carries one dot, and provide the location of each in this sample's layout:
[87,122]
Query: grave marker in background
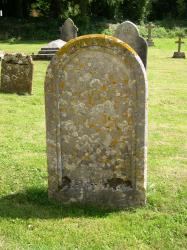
[150,41]
[96,119]
[16,74]
[128,32]
[68,30]
[179,54]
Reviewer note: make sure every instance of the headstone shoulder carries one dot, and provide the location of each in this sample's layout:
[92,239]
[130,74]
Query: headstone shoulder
[129,33]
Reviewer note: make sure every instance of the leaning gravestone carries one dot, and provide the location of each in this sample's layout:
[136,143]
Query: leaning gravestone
[96,118]
[128,33]
[16,74]
[68,30]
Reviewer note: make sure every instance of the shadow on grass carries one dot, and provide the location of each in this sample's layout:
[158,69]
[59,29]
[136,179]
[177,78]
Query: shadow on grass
[34,203]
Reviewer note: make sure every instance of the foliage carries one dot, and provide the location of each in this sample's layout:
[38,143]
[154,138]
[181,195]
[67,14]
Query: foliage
[83,10]
[38,29]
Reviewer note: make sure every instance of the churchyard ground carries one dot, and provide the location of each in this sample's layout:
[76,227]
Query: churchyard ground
[28,220]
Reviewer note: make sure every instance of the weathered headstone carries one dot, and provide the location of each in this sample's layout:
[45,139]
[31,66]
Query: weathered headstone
[128,33]
[16,74]
[68,30]
[179,54]
[150,41]
[96,118]
[47,52]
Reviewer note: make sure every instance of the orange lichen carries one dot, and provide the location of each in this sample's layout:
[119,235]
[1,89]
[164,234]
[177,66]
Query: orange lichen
[114,142]
[62,84]
[104,88]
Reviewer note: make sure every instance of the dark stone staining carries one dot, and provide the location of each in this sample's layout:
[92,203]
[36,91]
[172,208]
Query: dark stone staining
[116,182]
[66,182]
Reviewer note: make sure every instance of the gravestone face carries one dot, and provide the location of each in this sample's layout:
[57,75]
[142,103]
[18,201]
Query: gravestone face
[96,118]
[68,30]
[16,74]
[128,33]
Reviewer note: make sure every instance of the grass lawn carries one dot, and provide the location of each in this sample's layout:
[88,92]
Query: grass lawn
[28,220]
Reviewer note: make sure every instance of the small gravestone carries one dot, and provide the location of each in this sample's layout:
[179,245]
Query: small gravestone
[68,30]
[96,118]
[150,41]
[128,32]
[47,52]
[16,74]
[179,54]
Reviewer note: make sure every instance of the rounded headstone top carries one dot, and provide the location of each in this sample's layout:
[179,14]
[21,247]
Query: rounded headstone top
[95,40]
[127,28]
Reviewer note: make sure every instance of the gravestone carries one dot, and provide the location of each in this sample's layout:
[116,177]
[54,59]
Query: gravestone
[16,74]
[47,52]
[96,123]
[179,54]
[68,30]
[150,41]
[128,33]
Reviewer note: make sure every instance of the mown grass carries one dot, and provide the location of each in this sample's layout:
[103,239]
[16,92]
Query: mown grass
[28,220]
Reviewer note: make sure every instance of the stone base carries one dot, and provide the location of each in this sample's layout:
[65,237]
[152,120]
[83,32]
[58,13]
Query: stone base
[150,43]
[47,53]
[179,55]
[105,198]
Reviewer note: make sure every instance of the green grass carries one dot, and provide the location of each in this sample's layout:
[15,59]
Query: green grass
[28,220]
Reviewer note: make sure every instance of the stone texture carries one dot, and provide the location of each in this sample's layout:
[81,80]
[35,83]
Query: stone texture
[128,33]
[47,52]
[1,55]
[96,123]
[16,74]
[68,30]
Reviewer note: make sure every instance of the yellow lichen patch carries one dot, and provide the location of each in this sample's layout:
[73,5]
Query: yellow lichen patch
[114,142]
[104,88]
[81,65]
[91,125]
[111,79]
[90,100]
[62,84]
[126,80]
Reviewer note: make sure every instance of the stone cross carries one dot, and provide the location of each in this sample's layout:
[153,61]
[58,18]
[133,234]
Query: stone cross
[180,42]
[179,54]
[96,123]
[128,33]
[150,26]
[68,30]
